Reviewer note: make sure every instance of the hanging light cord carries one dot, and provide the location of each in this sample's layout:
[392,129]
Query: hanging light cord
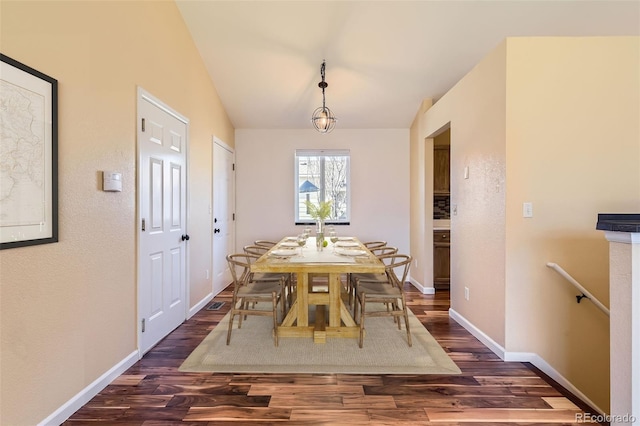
[322,84]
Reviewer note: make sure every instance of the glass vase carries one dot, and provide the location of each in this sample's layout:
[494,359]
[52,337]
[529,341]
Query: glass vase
[319,235]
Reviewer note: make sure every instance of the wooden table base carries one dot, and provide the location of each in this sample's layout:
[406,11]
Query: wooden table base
[340,321]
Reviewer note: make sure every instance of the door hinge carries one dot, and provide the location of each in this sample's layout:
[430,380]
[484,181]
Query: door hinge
[143,225]
[233,167]
[233,216]
[143,325]
[143,125]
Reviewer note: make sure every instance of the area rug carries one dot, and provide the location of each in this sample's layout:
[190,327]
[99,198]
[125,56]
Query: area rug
[385,351]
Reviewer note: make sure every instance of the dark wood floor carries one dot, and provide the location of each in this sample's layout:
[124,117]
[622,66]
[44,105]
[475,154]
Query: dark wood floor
[489,391]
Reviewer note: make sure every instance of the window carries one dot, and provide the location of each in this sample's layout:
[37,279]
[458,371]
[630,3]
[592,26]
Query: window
[322,175]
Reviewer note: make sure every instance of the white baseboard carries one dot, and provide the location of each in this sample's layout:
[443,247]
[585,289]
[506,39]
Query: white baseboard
[478,334]
[85,395]
[423,289]
[201,304]
[530,357]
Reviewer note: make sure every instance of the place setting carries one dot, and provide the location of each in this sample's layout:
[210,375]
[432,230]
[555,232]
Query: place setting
[347,246]
[282,253]
[348,251]
[288,244]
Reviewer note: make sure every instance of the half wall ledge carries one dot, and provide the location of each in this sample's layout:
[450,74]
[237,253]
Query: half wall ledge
[619,222]
[623,233]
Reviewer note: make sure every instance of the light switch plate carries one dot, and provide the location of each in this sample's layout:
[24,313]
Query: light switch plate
[527,209]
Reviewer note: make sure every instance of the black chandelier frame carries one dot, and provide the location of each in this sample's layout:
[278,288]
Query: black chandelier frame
[324,121]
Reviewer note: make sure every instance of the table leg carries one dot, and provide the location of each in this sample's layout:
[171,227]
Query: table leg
[335,290]
[303,299]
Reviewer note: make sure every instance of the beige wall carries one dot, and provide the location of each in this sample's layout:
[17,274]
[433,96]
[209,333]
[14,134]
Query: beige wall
[552,121]
[475,109]
[421,209]
[573,150]
[68,310]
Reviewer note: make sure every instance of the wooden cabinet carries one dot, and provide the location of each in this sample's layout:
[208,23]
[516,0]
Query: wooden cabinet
[441,259]
[441,154]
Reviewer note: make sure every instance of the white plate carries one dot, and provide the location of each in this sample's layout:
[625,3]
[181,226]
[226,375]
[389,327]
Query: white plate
[345,238]
[290,239]
[283,253]
[288,244]
[347,244]
[351,252]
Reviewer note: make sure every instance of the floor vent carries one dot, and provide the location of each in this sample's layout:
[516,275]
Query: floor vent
[214,306]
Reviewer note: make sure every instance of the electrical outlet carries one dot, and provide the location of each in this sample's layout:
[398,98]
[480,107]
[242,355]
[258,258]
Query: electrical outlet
[206,273]
[466,293]
[527,209]
[454,209]
[416,262]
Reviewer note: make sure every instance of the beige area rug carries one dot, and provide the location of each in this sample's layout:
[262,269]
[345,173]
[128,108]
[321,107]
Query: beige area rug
[385,351]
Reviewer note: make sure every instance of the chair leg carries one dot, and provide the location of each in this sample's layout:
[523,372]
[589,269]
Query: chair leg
[243,306]
[290,291]
[274,299]
[406,321]
[356,313]
[283,297]
[231,315]
[362,315]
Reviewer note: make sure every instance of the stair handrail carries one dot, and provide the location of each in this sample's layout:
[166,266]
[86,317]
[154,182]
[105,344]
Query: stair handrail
[585,293]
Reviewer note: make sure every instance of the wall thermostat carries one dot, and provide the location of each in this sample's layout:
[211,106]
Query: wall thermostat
[111,181]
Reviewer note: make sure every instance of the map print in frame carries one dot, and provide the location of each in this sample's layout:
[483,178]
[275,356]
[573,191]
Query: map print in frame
[28,156]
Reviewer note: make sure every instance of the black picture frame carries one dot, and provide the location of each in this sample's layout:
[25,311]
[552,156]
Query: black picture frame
[29,156]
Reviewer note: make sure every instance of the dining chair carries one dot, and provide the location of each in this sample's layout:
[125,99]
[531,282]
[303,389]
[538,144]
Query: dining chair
[247,293]
[382,250]
[376,251]
[265,243]
[255,249]
[389,292]
[258,251]
[374,244]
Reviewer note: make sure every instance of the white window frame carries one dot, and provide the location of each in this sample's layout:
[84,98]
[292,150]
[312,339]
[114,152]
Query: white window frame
[320,195]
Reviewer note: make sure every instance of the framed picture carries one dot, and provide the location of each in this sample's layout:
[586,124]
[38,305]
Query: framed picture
[28,156]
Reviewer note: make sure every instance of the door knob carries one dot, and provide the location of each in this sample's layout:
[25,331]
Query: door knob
[216,230]
[185,237]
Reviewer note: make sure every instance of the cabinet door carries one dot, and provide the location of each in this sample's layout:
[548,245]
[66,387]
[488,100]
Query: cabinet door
[441,166]
[441,259]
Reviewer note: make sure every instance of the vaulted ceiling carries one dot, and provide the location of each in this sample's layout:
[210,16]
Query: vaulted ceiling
[382,57]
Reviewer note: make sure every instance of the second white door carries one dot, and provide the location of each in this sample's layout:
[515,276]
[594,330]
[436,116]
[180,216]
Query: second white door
[223,213]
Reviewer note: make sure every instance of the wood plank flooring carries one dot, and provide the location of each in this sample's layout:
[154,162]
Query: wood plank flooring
[489,391]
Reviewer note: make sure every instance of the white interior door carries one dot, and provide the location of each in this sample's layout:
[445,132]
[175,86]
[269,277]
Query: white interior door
[162,236]
[223,213]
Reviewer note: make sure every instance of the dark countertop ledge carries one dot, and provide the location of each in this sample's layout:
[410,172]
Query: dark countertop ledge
[619,222]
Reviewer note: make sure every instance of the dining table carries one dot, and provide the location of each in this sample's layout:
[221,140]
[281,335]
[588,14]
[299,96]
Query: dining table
[331,316]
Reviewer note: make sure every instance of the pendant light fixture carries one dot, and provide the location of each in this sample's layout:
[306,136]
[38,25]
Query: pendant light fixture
[323,119]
